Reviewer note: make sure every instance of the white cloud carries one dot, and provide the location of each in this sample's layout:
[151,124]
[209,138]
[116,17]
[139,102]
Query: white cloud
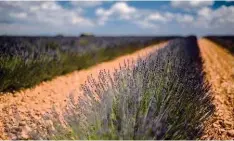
[20,15]
[119,9]
[51,6]
[86,4]
[103,12]
[34,8]
[157,17]
[146,24]
[42,13]
[192,4]
[221,17]
[184,19]
[122,8]
[141,17]
[123,11]
[78,20]
[205,12]
[165,18]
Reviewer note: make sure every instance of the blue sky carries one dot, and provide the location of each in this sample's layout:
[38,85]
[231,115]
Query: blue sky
[116,17]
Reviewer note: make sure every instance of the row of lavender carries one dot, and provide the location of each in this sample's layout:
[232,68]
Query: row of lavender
[32,47]
[26,61]
[225,41]
[161,97]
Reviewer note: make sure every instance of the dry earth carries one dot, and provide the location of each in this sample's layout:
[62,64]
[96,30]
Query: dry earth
[27,107]
[219,68]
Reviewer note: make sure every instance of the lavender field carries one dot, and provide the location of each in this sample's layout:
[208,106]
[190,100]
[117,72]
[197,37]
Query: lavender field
[117,70]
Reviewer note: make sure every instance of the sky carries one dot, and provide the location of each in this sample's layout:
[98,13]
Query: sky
[71,18]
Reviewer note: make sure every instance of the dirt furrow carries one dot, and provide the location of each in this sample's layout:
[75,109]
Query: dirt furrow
[27,107]
[219,68]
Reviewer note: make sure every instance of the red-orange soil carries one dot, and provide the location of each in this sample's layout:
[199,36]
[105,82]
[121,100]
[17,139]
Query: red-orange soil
[219,68]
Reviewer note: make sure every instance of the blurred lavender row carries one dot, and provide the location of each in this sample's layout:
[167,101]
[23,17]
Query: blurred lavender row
[27,61]
[32,47]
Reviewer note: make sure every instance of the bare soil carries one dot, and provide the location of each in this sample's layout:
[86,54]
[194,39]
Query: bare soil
[24,109]
[219,68]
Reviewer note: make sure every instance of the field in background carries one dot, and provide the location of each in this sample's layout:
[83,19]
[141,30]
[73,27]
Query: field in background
[27,61]
[226,42]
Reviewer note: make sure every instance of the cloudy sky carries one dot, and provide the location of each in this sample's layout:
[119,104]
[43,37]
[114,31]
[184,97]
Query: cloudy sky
[116,17]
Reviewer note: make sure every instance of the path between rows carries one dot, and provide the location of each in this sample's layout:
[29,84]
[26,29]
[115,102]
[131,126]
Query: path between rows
[219,68]
[25,107]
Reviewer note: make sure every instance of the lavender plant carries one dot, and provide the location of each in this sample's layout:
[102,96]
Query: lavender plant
[161,97]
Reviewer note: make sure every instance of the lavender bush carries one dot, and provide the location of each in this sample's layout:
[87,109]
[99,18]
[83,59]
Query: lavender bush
[161,97]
